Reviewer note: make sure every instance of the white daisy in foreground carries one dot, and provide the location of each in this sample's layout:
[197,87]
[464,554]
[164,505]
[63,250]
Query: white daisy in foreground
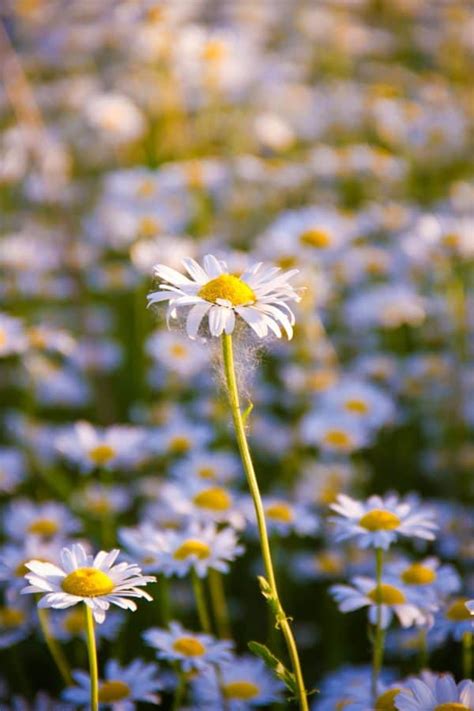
[378,522]
[436,692]
[82,578]
[259,296]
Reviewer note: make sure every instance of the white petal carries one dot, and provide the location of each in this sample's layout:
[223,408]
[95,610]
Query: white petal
[195,317]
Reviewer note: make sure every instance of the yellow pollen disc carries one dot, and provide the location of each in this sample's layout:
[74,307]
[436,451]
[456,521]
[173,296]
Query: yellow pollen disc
[388,595]
[102,454]
[3,337]
[379,520]
[451,706]
[358,407]
[329,563]
[280,512]
[207,473]
[11,617]
[418,574]
[179,444]
[322,379]
[192,547]
[87,582]
[458,611]
[338,438]
[451,239]
[99,506]
[194,174]
[228,287]
[341,705]
[240,690]
[148,227]
[189,646]
[37,338]
[74,622]
[214,51]
[110,691]
[216,499]
[44,527]
[146,189]
[319,239]
[178,351]
[386,701]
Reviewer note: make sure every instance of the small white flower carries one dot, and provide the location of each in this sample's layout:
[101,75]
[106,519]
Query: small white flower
[82,578]
[378,522]
[435,692]
[259,296]
[192,651]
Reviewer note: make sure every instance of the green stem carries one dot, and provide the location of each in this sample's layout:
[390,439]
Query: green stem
[467,655]
[379,636]
[54,648]
[201,605]
[282,619]
[164,597]
[424,654]
[219,604]
[92,651]
[180,691]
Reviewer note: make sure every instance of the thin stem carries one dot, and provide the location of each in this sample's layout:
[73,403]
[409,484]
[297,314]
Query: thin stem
[219,604]
[467,655]
[92,651]
[379,636]
[180,690]
[201,605]
[53,646]
[282,619]
[424,653]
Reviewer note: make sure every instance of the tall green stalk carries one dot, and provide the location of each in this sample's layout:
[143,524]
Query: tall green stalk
[53,646]
[201,605]
[379,636]
[281,618]
[467,656]
[92,652]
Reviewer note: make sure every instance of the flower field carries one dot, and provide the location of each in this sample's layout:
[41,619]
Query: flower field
[236,355]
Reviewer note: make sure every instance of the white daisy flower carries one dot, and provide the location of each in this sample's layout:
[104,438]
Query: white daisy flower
[333,433]
[436,692]
[378,522]
[47,519]
[96,581]
[391,600]
[120,688]
[192,651]
[259,296]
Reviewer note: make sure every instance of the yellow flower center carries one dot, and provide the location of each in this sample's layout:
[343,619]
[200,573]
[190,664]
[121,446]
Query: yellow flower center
[113,690]
[451,706]
[457,611]
[192,547]
[146,188]
[240,690]
[227,287]
[74,622]
[318,239]
[280,512]
[215,498]
[178,351]
[386,701]
[451,239]
[87,582]
[207,473]
[11,617]
[3,337]
[379,520]
[329,563]
[189,646]
[338,438]
[418,574]
[358,407]
[341,705]
[99,506]
[214,51]
[102,454]
[322,379]
[387,595]
[37,338]
[148,227]
[179,444]
[44,527]
[194,174]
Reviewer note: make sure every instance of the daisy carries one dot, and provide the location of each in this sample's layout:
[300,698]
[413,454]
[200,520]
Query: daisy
[96,581]
[392,600]
[435,692]
[12,469]
[16,623]
[243,682]
[48,519]
[361,400]
[455,620]
[201,501]
[349,687]
[333,433]
[429,576]
[191,650]
[12,336]
[211,466]
[121,686]
[378,522]
[285,517]
[15,556]
[259,296]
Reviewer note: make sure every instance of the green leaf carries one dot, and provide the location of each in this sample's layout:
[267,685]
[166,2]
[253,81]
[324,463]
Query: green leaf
[247,412]
[273,663]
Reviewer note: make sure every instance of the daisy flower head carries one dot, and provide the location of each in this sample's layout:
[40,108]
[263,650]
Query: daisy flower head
[96,581]
[436,692]
[46,520]
[378,522]
[191,650]
[243,683]
[428,576]
[121,686]
[391,599]
[259,296]
[455,619]
[333,433]
[285,517]
[349,687]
